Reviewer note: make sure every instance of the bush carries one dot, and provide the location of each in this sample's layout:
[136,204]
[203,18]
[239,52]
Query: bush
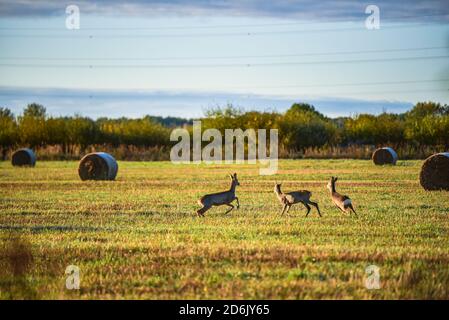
[302,130]
[302,127]
[370,129]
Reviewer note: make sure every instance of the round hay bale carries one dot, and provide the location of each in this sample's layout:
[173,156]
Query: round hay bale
[98,166]
[384,156]
[435,172]
[23,157]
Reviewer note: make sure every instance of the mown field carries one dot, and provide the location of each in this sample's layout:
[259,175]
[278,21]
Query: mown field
[139,237]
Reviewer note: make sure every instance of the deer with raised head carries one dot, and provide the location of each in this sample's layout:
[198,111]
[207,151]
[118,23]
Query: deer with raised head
[290,198]
[344,203]
[220,198]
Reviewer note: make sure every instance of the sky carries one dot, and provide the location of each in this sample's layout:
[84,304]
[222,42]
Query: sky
[180,58]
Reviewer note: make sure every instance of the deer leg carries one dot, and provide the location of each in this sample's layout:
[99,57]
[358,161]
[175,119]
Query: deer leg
[308,208]
[352,208]
[201,211]
[229,205]
[288,208]
[316,206]
[238,202]
[283,208]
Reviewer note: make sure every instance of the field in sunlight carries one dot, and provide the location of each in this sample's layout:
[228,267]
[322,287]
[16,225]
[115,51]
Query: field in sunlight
[139,237]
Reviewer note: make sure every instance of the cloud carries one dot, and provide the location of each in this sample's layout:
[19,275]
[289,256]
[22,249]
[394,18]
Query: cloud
[134,103]
[299,9]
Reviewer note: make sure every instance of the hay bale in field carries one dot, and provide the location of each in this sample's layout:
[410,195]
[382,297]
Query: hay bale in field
[385,155]
[98,166]
[23,157]
[435,172]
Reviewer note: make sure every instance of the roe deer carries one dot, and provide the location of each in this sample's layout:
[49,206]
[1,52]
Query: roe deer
[220,198]
[290,198]
[342,202]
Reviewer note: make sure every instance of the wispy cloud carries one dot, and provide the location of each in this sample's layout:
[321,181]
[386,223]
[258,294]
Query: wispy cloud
[300,9]
[134,103]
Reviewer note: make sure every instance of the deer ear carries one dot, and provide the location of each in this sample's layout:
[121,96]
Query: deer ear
[335,179]
[235,174]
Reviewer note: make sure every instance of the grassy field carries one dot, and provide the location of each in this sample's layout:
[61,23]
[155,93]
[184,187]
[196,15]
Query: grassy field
[138,237]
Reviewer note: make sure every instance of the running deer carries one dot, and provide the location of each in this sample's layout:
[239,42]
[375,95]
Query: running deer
[220,198]
[344,203]
[290,198]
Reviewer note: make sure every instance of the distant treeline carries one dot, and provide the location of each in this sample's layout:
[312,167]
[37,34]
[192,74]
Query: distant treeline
[301,128]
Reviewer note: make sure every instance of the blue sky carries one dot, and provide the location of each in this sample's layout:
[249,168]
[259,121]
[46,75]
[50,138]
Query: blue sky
[181,57]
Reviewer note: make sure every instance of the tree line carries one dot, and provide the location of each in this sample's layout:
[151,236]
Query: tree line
[300,127]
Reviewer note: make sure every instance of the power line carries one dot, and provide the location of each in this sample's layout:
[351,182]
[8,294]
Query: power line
[226,26]
[227,57]
[388,92]
[350,84]
[74,35]
[91,66]
[247,94]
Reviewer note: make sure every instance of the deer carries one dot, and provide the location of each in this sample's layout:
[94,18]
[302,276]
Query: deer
[290,198]
[220,198]
[344,203]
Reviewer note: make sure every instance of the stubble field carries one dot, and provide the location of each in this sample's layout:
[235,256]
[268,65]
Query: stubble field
[139,237]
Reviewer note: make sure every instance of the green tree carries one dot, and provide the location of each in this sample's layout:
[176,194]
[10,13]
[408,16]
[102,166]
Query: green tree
[224,118]
[302,127]
[8,131]
[428,124]
[304,108]
[81,131]
[139,132]
[35,110]
[370,129]
[56,132]
[32,128]
[422,109]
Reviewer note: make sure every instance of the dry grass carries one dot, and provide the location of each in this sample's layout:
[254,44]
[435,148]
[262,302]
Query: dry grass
[138,237]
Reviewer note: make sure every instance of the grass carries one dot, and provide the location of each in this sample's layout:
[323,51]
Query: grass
[138,236]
